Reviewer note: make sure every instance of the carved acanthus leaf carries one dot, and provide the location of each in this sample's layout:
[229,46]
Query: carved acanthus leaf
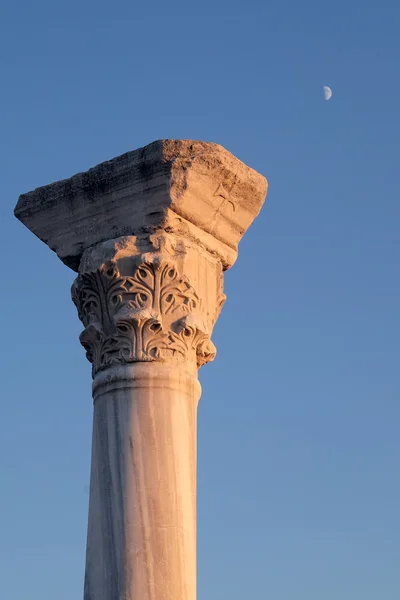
[150,315]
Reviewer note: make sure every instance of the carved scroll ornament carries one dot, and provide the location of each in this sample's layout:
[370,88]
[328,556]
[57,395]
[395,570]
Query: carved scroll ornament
[155,314]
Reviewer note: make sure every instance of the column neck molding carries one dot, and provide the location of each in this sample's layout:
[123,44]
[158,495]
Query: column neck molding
[146,376]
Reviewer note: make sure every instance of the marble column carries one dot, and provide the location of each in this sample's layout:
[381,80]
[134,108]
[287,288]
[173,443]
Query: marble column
[150,234]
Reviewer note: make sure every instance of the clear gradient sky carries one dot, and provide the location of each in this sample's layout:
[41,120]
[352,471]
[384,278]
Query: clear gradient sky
[298,463]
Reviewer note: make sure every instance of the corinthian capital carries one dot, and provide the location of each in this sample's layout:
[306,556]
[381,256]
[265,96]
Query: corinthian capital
[150,234]
[142,307]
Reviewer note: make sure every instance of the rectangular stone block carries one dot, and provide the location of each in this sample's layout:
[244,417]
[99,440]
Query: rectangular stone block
[183,186]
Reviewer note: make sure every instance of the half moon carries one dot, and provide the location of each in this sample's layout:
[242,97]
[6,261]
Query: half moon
[327,92]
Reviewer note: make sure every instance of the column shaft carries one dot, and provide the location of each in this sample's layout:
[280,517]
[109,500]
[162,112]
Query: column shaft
[142,511]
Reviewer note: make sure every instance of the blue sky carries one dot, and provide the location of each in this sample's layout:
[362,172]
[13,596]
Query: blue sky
[298,465]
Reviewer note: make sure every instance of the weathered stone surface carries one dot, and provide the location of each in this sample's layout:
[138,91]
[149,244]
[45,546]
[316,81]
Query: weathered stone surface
[150,234]
[186,187]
